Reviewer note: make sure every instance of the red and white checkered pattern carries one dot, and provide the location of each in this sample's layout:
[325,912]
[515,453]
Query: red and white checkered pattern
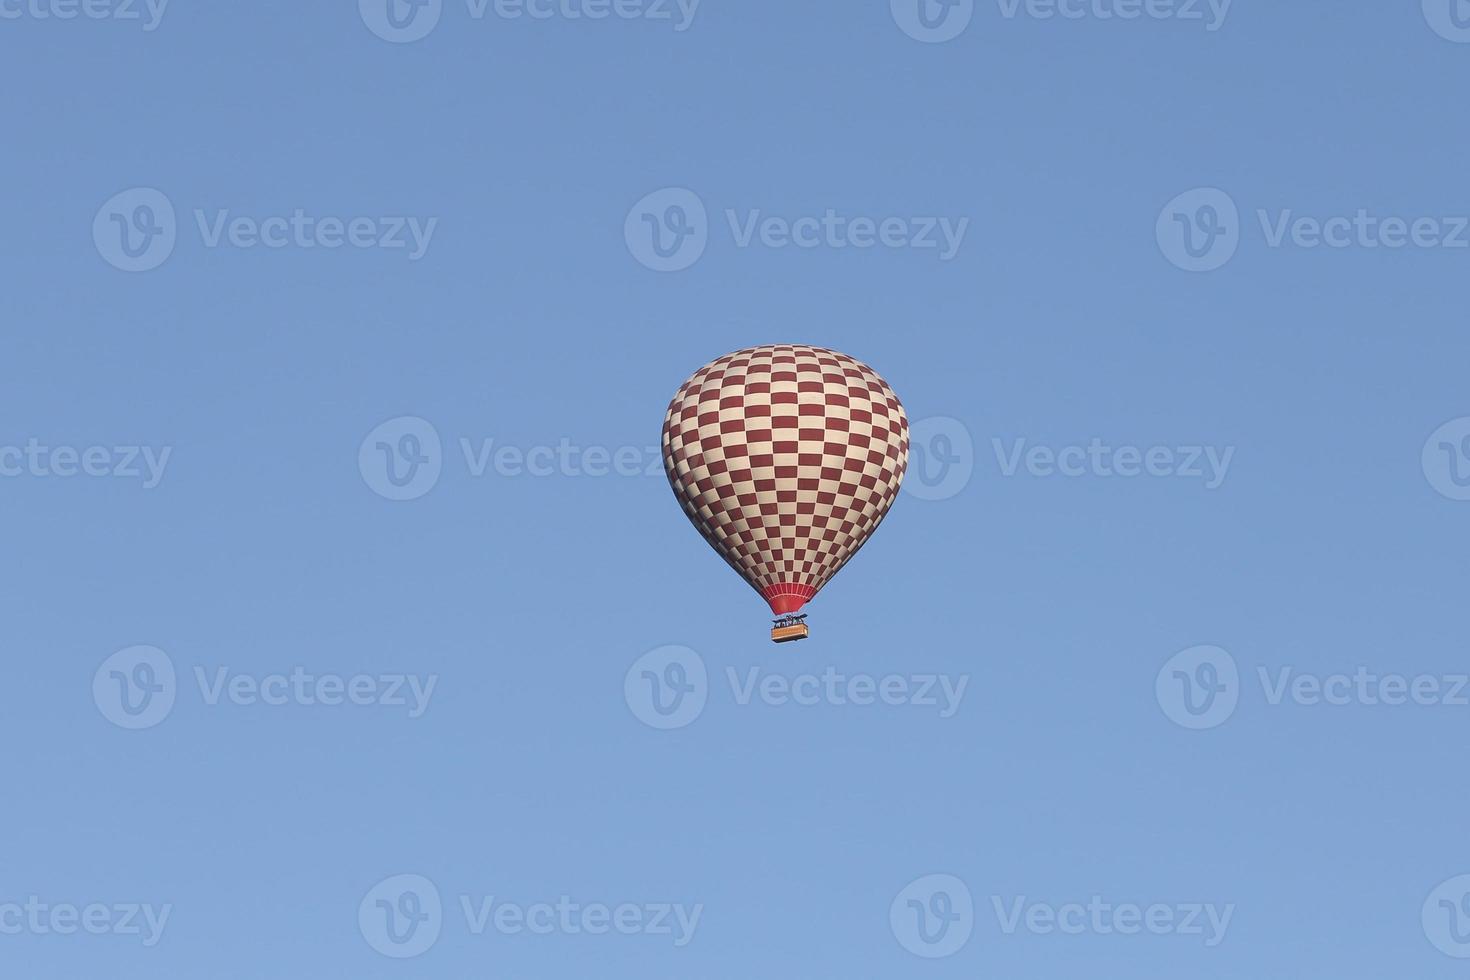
[786,458]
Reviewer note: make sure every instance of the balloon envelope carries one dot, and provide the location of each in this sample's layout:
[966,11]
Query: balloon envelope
[785,458]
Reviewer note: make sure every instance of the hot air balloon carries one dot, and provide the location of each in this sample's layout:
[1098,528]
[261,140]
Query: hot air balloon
[785,458]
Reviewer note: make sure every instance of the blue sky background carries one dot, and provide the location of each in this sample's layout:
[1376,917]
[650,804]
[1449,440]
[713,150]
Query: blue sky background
[529,321]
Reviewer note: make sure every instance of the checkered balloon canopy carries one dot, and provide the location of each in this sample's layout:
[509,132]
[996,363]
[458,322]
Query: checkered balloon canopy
[786,458]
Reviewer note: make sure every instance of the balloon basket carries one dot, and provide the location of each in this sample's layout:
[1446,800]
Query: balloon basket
[789,628]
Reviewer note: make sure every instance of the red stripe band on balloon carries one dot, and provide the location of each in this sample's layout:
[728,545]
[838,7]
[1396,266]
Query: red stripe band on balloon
[787,597]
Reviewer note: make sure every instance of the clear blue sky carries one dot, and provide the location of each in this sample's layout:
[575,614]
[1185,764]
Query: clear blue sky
[531,318]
